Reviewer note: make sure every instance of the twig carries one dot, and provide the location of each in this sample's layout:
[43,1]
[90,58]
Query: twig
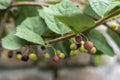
[29,4]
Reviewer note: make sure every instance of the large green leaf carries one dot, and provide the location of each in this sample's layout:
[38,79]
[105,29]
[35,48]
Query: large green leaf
[35,24]
[12,42]
[53,23]
[114,36]
[100,6]
[68,13]
[29,35]
[24,12]
[4,4]
[100,42]
[112,6]
[89,11]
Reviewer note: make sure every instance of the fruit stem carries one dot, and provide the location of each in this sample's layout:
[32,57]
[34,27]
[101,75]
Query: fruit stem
[84,36]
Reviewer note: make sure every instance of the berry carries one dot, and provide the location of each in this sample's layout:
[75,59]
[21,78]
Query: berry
[43,47]
[78,44]
[58,52]
[56,58]
[18,52]
[73,46]
[113,25]
[46,55]
[25,58]
[118,28]
[33,56]
[62,55]
[88,45]
[93,50]
[73,52]
[82,49]
[78,38]
[10,54]
[19,56]
[82,42]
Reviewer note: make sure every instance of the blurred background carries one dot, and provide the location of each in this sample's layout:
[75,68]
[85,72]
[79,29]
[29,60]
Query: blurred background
[81,67]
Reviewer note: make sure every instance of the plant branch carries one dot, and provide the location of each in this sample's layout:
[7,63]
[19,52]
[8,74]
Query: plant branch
[29,4]
[60,38]
[100,21]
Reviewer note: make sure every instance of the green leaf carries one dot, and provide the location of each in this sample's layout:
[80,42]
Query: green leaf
[89,11]
[114,36]
[35,24]
[25,12]
[29,35]
[112,6]
[4,4]
[100,42]
[12,42]
[100,6]
[53,23]
[68,13]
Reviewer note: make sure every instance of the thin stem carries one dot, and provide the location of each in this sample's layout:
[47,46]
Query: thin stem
[29,4]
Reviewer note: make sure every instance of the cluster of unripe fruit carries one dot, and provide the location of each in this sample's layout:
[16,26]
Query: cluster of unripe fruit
[78,44]
[34,57]
[115,26]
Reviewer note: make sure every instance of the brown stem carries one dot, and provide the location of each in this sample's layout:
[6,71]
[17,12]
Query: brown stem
[29,4]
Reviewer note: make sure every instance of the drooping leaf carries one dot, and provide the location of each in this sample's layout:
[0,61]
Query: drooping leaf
[53,23]
[4,4]
[114,36]
[89,11]
[68,13]
[35,24]
[24,12]
[29,35]
[12,42]
[100,6]
[112,6]
[100,42]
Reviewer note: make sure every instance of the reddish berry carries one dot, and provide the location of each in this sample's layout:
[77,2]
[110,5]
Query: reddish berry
[78,38]
[88,45]
[56,58]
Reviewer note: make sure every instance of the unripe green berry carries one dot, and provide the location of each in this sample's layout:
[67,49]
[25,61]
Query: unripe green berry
[19,57]
[82,42]
[82,49]
[33,56]
[73,52]
[62,55]
[113,25]
[73,46]
[46,55]
[93,50]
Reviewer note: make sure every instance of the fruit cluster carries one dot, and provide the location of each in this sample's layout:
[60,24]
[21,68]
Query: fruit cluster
[78,44]
[115,26]
[32,56]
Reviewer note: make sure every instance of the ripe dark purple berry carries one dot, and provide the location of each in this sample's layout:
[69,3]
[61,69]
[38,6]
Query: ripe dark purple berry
[78,38]
[78,44]
[56,58]
[25,58]
[88,45]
